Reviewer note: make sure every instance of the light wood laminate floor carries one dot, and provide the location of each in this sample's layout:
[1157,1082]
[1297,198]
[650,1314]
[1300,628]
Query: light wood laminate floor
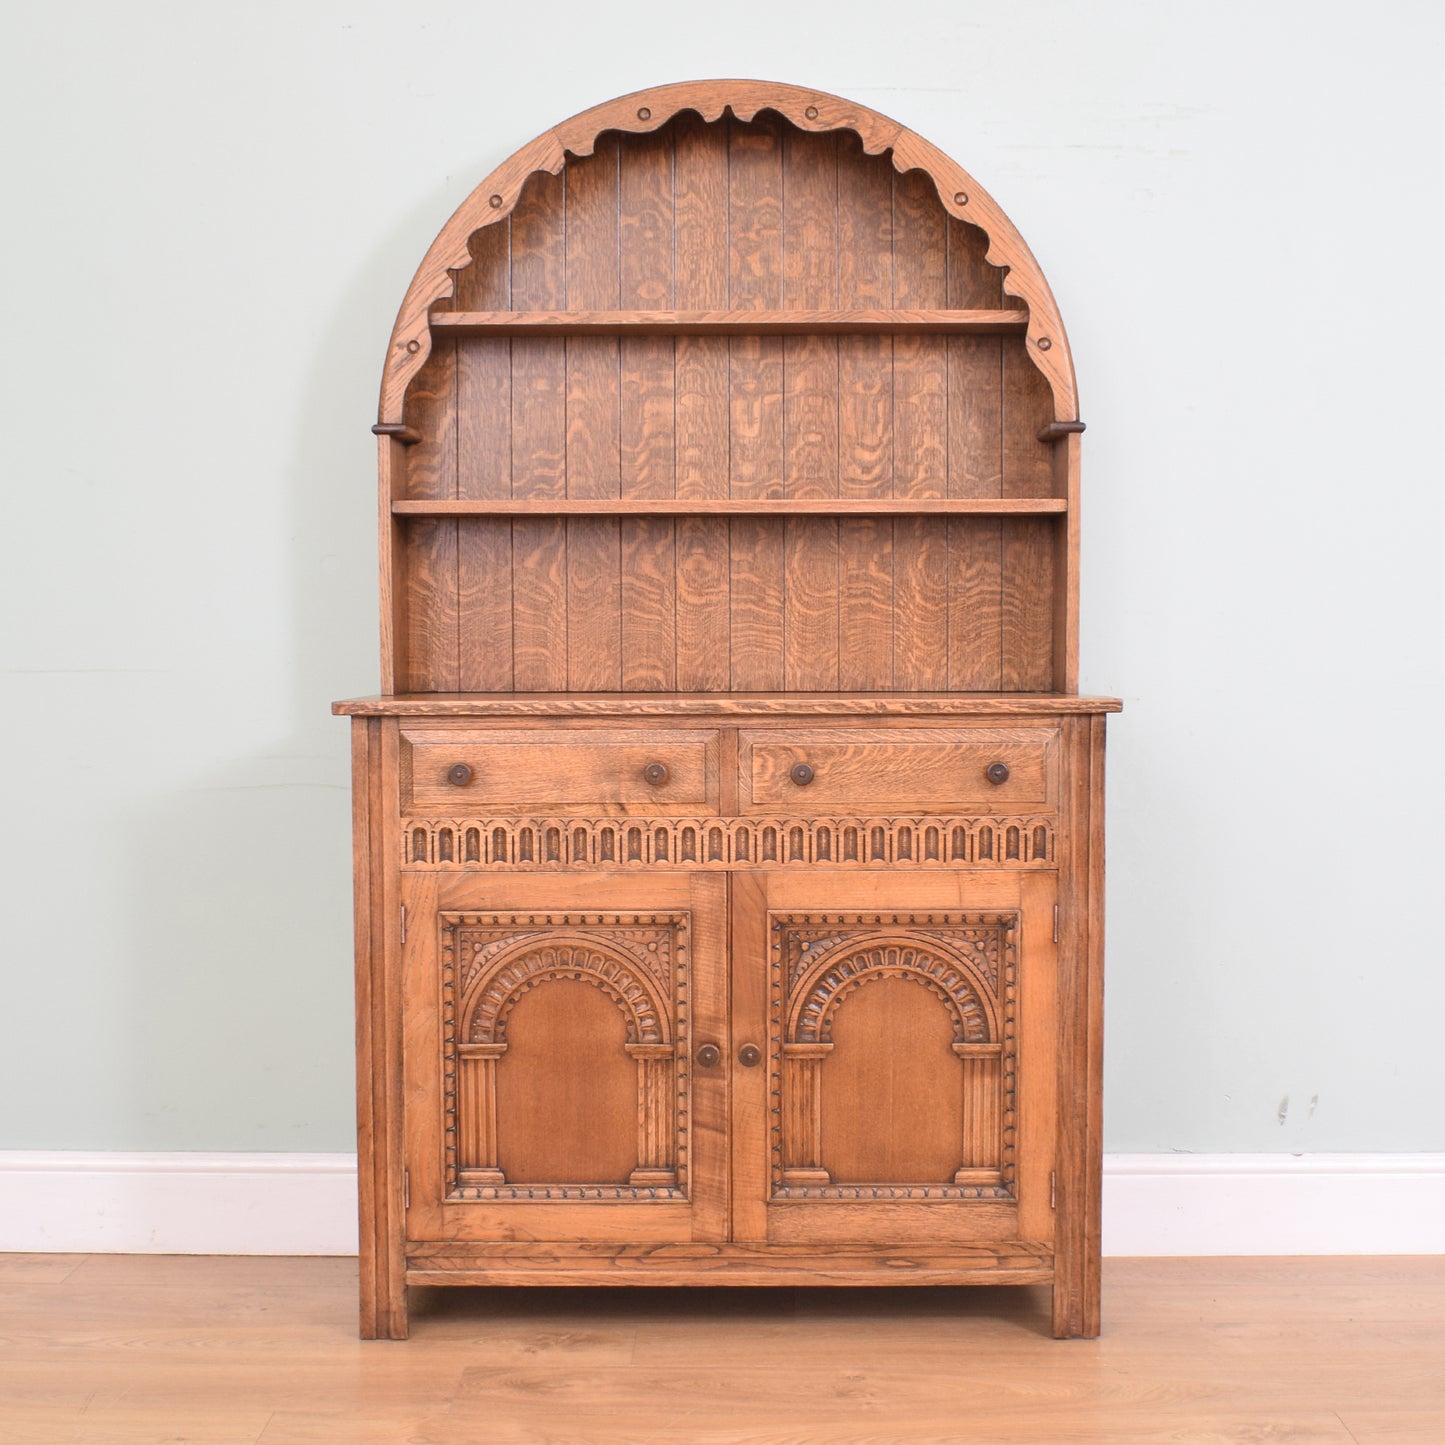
[233,1351]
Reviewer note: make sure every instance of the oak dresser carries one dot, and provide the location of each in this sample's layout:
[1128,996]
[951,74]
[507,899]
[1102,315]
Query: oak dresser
[728,832]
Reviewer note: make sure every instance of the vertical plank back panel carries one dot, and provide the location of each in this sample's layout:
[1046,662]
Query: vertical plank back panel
[702,204]
[484,470]
[755,390]
[711,216]
[646,226]
[865,420]
[975,469]
[810,412]
[594,568]
[539,441]
[920,439]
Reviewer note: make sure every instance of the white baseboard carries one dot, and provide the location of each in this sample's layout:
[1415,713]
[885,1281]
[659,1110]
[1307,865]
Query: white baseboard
[124,1203]
[1154,1204]
[1159,1204]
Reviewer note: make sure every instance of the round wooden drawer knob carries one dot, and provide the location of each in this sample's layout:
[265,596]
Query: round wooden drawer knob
[802,774]
[709,1056]
[996,772]
[459,774]
[750,1056]
[655,773]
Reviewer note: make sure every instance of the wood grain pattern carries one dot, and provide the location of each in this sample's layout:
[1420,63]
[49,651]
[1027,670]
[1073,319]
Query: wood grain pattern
[484,471]
[732,876]
[566,1114]
[810,111]
[843,347]
[539,444]
[924,767]
[871,321]
[746,507]
[634,707]
[1324,1351]
[900,1123]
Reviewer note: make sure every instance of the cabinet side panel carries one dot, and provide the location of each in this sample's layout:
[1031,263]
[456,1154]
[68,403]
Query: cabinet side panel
[369,1126]
[1076,1286]
[378,1034]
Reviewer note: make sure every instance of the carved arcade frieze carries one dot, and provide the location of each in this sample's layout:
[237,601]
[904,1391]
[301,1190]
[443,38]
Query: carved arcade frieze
[526,844]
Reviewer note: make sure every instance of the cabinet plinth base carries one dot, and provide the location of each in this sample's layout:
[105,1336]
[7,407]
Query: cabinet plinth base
[728,1264]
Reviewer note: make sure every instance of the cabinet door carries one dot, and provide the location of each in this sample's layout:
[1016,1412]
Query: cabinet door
[895,1056]
[551,1091]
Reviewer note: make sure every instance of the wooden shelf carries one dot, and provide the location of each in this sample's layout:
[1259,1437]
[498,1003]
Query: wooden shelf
[725,704]
[727,323]
[768,507]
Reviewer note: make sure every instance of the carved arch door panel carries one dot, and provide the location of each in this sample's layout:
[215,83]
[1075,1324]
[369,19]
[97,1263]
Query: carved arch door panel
[904,1082]
[551,1089]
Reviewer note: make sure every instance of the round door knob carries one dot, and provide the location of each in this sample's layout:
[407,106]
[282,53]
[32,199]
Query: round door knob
[460,774]
[802,774]
[996,772]
[709,1056]
[655,773]
[750,1056]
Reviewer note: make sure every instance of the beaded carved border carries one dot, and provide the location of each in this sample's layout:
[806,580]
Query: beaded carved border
[519,844]
[969,960]
[640,960]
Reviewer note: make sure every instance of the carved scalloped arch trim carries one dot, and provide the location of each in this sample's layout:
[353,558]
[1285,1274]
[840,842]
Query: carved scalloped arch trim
[856,961]
[532,961]
[648,110]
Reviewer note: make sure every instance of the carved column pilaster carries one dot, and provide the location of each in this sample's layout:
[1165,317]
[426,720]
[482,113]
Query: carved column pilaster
[656,1131]
[477,1113]
[982,1113]
[802,1115]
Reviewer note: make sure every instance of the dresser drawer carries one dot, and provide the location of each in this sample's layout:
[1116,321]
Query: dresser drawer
[560,771]
[890,770]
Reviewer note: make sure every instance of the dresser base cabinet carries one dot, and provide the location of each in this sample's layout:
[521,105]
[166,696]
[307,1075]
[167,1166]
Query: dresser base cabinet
[728,826]
[799,1047]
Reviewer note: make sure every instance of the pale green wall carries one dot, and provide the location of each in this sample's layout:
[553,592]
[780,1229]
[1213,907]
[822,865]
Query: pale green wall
[212,215]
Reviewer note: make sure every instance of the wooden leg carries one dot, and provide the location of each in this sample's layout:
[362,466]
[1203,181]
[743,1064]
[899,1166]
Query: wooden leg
[1076,1296]
[384,1313]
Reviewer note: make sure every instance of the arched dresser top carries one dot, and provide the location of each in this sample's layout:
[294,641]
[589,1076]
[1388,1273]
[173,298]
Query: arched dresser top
[646,111]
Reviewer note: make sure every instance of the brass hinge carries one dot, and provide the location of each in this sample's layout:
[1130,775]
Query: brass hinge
[406,1188]
[1056,923]
[1053,1189]
[403,925]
